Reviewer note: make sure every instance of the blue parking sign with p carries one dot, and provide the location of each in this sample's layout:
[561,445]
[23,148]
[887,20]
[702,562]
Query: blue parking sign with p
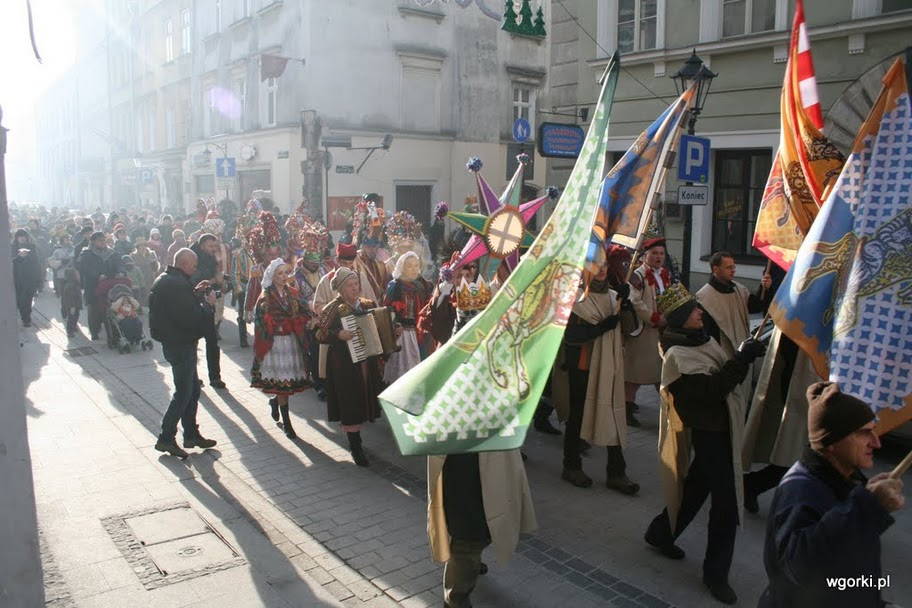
[693,163]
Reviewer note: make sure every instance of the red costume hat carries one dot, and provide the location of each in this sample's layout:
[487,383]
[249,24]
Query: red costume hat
[346,252]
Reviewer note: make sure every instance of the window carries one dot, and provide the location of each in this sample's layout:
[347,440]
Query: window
[272,94]
[740,180]
[218,16]
[747,17]
[170,128]
[241,91]
[169,41]
[892,6]
[524,103]
[153,144]
[210,116]
[185,32]
[637,25]
[140,143]
[205,184]
[245,8]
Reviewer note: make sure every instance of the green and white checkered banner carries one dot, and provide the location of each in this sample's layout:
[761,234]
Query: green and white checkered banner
[478,392]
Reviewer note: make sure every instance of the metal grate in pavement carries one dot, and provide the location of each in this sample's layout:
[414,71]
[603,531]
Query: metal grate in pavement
[80,351]
[170,544]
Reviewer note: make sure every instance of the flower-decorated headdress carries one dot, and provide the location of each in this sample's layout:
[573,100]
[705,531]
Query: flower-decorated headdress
[367,221]
[214,224]
[402,226]
[265,235]
[202,210]
[652,238]
[312,241]
[247,221]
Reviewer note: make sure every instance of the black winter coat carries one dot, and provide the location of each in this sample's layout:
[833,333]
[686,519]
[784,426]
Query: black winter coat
[206,265]
[822,526]
[27,271]
[176,315]
[92,264]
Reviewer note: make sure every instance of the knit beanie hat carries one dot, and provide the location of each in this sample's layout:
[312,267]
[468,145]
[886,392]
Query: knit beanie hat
[833,414]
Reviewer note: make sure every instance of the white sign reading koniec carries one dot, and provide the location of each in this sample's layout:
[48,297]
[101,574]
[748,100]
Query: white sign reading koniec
[693,195]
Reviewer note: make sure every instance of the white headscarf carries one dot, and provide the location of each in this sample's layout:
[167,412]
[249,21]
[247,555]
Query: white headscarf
[270,270]
[400,263]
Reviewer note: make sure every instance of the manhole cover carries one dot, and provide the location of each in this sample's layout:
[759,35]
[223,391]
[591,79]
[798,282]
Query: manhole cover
[80,351]
[170,544]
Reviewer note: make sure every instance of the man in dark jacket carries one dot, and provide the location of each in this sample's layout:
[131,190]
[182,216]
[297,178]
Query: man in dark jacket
[27,273]
[82,239]
[700,404]
[96,262]
[178,319]
[207,269]
[822,544]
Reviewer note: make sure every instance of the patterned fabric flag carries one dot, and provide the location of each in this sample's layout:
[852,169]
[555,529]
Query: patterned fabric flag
[847,299]
[478,392]
[628,189]
[806,164]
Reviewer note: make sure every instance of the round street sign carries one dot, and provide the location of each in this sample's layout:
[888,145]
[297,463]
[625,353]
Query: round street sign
[521,130]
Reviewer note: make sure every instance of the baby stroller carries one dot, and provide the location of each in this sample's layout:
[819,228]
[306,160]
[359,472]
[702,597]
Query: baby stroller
[127,332]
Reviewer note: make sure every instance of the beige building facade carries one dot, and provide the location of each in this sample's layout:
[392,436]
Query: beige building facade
[745,42]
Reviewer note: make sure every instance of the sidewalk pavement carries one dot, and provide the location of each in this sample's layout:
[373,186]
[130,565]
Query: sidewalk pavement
[301,524]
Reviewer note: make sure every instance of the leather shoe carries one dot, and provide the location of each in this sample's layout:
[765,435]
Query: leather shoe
[577,478]
[199,442]
[668,549]
[543,425]
[623,484]
[722,592]
[171,447]
[217,383]
[750,502]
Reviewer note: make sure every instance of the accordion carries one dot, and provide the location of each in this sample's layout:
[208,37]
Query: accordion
[373,334]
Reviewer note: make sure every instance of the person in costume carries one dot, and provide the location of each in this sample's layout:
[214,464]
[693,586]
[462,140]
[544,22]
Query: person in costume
[642,361]
[776,431]
[407,295]
[403,234]
[702,409]
[324,294]
[279,342]
[241,265]
[594,363]
[264,243]
[366,233]
[826,518]
[351,388]
[309,271]
[728,305]
[474,499]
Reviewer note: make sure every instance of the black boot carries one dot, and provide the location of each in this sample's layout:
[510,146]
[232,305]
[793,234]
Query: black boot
[274,407]
[354,441]
[286,422]
[242,334]
[631,419]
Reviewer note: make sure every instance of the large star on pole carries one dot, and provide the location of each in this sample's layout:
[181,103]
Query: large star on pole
[500,230]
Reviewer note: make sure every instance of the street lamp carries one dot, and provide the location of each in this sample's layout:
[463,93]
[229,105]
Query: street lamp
[694,71]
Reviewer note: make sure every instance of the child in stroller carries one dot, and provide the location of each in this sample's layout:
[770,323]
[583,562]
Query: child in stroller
[122,323]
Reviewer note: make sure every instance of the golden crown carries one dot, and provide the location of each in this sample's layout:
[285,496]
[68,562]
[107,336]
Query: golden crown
[473,296]
[673,298]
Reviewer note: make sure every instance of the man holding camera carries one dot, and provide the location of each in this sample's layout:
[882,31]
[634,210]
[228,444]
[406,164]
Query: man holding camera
[207,269]
[179,315]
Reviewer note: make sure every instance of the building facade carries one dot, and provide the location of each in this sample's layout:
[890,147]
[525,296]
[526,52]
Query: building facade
[745,42]
[389,97]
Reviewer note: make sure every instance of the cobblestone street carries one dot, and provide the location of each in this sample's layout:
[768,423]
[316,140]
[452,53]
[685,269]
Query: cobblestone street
[296,523]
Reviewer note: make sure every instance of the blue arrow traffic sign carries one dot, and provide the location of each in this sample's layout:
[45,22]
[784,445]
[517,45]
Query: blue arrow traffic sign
[225,167]
[521,130]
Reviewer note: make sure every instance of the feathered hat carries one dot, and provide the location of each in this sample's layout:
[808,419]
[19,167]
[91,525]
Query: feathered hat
[402,226]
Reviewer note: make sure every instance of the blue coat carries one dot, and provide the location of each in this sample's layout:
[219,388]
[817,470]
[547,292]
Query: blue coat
[822,526]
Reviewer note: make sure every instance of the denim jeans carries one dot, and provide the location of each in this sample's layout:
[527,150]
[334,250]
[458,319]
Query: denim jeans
[185,401]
